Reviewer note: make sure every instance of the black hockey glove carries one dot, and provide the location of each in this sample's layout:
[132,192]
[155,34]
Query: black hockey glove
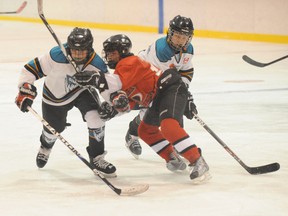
[92,78]
[120,101]
[106,111]
[190,107]
[168,78]
[25,97]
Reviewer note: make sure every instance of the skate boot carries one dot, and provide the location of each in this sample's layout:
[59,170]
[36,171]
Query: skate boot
[199,171]
[43,156]
[106,168]
[175,163]
[133,145]
[47,141]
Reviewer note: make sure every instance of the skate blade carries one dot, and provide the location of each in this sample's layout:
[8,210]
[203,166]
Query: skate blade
[134,155]
[112,175]
[202,179]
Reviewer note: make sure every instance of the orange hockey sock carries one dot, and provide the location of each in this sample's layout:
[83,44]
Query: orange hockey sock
[149,133]
[172,131]
[177,136]
[153,137]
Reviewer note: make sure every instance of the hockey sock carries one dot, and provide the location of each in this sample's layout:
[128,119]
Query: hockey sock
[175,134]
[96,141]
[152,136]
[47,139]
[133,126]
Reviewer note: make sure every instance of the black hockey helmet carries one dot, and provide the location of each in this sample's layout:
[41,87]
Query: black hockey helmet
[120,43]
[80,39]
[182,25]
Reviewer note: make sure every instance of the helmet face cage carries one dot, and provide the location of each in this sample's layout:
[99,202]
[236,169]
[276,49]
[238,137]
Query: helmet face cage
[183,26]
[80,39]
[120,43]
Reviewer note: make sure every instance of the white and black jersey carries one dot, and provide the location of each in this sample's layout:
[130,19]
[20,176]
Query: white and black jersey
[59,87]
[163,57]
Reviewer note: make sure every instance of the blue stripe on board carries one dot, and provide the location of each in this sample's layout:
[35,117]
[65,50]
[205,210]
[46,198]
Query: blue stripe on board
[161,16]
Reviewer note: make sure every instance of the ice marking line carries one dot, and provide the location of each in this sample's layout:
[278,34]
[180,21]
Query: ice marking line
[242,91]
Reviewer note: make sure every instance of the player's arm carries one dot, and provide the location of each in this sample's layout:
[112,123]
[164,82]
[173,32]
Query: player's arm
[27,91]
[187,76]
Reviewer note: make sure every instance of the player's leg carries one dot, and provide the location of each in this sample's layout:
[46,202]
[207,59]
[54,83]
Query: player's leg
[96,131]
[56,117]
[149,132]
[132,139]
[172,107]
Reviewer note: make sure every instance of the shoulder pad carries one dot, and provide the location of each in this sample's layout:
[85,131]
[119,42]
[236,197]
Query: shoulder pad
[99,63]
[163,51]
[57,55]
[190,49]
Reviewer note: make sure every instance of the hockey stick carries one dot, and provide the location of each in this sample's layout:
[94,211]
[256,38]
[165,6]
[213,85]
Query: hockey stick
[252,170]
[129,191]
[23,5]
[259,64]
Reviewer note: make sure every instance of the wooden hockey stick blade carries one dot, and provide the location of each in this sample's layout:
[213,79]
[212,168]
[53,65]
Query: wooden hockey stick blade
[23,5]
[134,190]
[259,64]
[263,169]
[127,191]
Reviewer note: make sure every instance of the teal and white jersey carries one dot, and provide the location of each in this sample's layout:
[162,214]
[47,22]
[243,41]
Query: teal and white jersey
[59,87]
[163,57]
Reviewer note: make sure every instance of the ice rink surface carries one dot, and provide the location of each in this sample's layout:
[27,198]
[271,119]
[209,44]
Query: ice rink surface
[246,106]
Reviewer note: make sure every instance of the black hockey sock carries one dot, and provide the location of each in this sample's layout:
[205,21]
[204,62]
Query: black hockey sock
[133,126]
[96,141]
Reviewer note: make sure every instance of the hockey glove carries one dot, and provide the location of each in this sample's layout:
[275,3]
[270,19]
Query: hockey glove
[93,78]
[106,112]
[120,101]
[25,97]
[190,107]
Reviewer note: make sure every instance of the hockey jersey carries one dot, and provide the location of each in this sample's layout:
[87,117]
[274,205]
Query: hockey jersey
[136,78]
[59,87]
[162,56]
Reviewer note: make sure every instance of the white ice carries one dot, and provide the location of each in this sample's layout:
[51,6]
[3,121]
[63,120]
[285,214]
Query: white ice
[246,106]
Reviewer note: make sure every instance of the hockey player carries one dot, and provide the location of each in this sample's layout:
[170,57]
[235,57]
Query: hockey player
[61,93]
[135,83]
[174,50]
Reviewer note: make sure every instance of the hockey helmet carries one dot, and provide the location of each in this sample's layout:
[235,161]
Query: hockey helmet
[120,43]
[181,25]
[80,39]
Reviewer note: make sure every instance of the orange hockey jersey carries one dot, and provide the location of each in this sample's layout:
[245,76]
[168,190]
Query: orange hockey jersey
[138,79]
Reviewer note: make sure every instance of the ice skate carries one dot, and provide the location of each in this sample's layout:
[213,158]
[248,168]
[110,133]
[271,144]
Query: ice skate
[175,163]
[42,156]
[106,168]
[199,171]
[133,145]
